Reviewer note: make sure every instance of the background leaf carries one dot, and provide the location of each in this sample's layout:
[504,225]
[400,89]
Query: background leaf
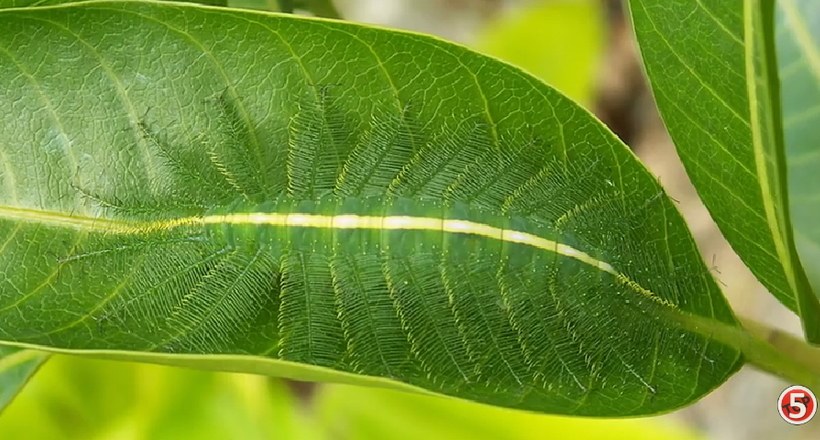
[262,5]
[711,66]
[126,118]
[16,368]
[798,52]
[74,398]
[320,8]
[560,42]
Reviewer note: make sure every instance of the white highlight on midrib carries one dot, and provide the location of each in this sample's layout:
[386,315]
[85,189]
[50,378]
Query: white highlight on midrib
[348,221]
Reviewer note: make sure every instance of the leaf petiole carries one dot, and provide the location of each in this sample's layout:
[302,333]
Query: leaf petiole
[767,349]
[786,347]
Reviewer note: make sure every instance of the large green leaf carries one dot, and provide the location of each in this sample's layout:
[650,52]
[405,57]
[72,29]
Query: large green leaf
[798,50]
[712,69]
[243,191]
[16,367]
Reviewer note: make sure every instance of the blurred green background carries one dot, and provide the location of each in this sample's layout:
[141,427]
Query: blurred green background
[76,398]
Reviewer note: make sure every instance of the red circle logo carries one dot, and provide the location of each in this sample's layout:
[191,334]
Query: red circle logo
[797,405]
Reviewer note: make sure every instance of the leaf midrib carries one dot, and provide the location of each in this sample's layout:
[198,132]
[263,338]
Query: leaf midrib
[341,221]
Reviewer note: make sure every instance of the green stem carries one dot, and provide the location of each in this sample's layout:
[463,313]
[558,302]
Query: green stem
[797,350]
[765,348]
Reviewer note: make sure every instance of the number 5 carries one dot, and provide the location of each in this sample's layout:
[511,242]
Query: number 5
[799,404]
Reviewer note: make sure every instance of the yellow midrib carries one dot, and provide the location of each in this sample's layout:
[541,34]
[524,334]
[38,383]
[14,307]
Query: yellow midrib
[305,220]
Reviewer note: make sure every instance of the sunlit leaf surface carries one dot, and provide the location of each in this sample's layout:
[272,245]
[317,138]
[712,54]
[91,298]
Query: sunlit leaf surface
[561,42]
